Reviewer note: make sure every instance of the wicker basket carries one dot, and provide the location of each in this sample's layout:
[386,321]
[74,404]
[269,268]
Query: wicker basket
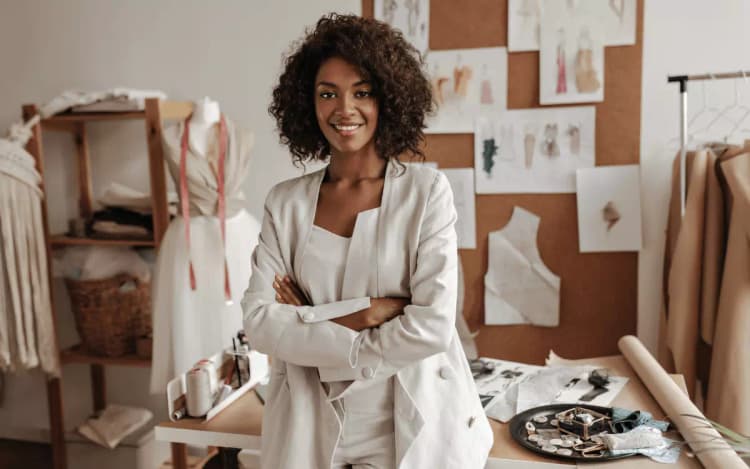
[109,319]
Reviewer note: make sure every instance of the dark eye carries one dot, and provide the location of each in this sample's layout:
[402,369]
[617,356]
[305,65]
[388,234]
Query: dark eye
[363,94]
[327,94]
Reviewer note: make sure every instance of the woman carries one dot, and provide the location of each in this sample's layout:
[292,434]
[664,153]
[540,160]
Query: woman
[353,290]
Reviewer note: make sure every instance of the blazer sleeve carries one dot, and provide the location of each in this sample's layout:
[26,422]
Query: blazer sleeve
[301,335]
[428,323]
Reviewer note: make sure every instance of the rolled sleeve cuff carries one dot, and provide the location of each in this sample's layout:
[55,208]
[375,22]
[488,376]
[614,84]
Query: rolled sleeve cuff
[328,311]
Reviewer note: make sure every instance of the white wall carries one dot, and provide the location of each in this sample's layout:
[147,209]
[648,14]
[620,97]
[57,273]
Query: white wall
[680,37]
[229,50]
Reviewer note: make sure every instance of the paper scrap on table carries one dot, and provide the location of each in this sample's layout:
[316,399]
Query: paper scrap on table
[514,387]
[462,183]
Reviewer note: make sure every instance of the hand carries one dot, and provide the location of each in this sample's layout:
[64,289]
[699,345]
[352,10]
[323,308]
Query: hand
[381,310]
[287,292]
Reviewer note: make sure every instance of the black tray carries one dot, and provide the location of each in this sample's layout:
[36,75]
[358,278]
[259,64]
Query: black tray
[517,427]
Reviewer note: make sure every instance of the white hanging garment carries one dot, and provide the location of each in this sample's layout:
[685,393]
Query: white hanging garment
[27,337]
[518,287]
[190,324]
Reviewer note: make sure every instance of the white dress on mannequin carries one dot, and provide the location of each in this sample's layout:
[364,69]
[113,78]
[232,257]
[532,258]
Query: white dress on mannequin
[193,324]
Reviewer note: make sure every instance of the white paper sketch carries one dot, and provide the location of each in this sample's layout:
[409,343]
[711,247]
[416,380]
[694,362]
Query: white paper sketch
[571,54]
[533,150]
[523,25]
[466,83]
[518,286]
[412,17]
[618,18]
[462,183]
[609,209]
[507,388]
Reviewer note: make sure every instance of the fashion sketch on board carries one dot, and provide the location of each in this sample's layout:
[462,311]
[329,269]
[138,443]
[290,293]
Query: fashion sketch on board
[609,208]
[466,83]
[411,17]
[616,16]
[571,54]
[533,150]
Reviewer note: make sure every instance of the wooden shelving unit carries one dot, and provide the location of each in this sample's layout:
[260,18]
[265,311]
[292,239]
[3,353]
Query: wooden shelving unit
[76,355]
[75,123]
[65,240]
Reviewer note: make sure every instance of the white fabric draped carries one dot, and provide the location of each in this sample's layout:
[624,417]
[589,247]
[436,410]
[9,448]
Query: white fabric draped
[27,335]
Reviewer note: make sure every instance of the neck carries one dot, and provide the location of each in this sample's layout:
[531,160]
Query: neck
[205,113]
[356,166]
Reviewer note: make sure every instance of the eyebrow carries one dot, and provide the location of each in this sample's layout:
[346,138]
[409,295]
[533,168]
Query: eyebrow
[333,85]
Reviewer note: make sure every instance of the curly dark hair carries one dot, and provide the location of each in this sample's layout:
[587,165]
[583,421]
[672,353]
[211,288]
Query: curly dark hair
[384,57]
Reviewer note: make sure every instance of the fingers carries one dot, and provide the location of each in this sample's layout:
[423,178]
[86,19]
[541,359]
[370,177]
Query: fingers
[298,293]
[285,292]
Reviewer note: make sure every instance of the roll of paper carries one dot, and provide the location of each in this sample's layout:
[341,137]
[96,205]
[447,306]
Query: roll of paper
[198,392]
[707,444]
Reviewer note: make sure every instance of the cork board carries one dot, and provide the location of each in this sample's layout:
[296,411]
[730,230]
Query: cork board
[598,299]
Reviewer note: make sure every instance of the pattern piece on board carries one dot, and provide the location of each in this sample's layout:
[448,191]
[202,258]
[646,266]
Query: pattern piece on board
[518,287]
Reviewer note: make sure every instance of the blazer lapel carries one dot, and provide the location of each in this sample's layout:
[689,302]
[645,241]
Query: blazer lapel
[306,220]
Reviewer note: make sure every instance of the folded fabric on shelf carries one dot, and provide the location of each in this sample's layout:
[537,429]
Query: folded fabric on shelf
[104,228]
[71,98]
[100,262]
[113,424]
[124,216]
[123,196]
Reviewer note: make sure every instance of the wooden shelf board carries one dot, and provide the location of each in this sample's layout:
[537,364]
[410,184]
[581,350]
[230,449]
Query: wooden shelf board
[93,116]
[76,355]
[63,240]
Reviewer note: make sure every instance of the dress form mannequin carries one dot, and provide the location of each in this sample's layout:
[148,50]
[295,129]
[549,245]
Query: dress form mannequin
[206,114]
[192,315]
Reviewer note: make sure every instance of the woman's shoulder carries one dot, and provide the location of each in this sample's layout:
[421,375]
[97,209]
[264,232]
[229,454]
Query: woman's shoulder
[423,177]
[296,188]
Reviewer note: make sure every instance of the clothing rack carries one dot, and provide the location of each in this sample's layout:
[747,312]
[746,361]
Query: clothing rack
[683,81]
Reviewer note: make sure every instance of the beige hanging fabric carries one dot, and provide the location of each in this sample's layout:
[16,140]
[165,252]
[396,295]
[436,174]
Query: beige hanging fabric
[729,385]
[705,324]
[683,282]
[27,336]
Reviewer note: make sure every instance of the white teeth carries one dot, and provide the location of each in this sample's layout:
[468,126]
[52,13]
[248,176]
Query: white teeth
[346,127]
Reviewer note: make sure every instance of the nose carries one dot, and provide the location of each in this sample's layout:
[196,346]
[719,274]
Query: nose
[346,105]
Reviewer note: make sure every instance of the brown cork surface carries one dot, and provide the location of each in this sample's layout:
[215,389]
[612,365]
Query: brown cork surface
[598,300]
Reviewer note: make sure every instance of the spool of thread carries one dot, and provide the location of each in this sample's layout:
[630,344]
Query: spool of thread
[208,365]
[198,392]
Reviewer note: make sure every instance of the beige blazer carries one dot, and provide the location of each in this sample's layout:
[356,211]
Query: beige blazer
[439,421]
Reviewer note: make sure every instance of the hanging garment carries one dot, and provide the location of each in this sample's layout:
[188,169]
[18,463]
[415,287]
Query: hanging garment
[518,287]
[729,383]
[683,287]
[27,335]
[199,277]
[438,419]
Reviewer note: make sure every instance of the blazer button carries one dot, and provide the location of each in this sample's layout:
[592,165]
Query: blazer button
[308,317]
[368,372]
[471,421]
[446,373]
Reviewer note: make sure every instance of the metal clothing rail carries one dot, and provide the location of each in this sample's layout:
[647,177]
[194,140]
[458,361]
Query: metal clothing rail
[683,80]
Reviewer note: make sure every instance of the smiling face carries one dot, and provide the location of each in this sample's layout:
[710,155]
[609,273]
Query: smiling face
[345,107]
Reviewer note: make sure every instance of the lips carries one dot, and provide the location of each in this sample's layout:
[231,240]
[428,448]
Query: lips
[346,128]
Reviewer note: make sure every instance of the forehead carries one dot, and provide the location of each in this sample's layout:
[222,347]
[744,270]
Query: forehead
[339,72]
